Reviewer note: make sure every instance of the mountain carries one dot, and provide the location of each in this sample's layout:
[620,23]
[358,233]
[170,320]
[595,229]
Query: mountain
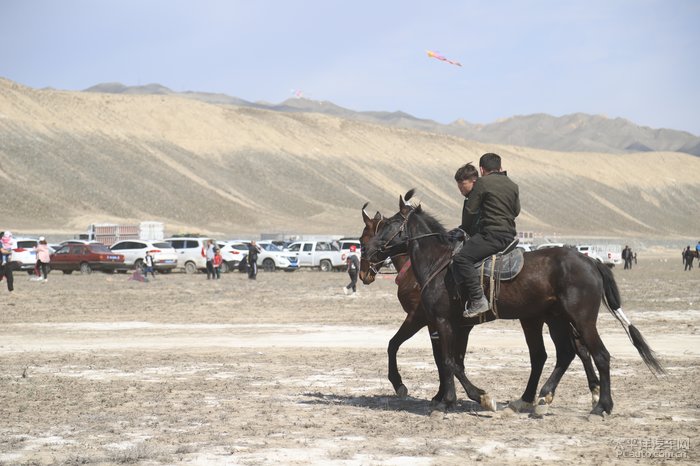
[577,132]
[68,159]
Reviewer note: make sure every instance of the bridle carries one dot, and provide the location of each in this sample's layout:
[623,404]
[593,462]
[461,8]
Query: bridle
[387,246]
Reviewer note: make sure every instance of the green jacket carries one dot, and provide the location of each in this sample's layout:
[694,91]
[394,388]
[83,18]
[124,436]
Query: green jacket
[492,205]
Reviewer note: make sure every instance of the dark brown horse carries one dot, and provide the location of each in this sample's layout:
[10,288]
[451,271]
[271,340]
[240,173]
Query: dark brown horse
[409,296]
[554,283]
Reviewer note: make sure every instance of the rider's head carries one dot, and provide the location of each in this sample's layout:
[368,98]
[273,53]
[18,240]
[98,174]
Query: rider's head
[490,163]
[465,177]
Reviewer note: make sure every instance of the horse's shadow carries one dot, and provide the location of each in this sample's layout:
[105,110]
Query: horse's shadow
[408,404]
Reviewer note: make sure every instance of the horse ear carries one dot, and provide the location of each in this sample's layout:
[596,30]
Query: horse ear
[365,217]
[378,216]
[404,207]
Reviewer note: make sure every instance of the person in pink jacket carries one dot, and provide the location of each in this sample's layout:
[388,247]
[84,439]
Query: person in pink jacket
[43,258]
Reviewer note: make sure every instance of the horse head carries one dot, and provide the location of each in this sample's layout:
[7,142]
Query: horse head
[389,237]
[368,269]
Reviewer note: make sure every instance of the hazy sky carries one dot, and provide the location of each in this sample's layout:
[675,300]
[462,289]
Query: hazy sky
[636,59]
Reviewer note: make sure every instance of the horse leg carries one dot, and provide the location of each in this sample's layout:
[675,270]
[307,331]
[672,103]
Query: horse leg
[461,335]
[414,321]
[538,355]
[449,397]
[601,357]
[567,343]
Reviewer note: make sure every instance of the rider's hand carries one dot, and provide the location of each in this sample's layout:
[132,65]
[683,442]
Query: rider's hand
[456,234]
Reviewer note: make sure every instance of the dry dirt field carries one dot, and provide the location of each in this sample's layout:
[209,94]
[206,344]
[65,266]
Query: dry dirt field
[96,369]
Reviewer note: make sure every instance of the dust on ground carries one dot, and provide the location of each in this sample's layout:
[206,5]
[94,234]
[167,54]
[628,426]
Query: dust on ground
[96,369]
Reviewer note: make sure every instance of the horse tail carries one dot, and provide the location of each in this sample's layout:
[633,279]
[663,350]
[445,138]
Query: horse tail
[611,295]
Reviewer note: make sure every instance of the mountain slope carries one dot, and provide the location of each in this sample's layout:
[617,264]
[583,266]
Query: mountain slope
[576,132]
[68,159]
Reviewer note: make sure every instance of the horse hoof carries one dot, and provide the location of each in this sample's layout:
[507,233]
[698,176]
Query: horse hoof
[548,398]
[487,402]
[439,407]
[402,391]
[520,405]
[542,408]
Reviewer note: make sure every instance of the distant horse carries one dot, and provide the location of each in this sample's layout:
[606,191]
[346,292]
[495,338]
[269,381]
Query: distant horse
[409,295]
[554,283]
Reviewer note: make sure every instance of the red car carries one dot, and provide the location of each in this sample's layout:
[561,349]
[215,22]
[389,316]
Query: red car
[86,258]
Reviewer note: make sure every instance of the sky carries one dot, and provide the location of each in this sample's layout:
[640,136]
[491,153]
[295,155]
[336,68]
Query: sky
[635,59]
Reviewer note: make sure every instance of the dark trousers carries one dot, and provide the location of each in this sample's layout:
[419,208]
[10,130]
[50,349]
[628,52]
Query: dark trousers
[474,250]
[6,272]
[42,267]
[628,263]
[353,280]
[252,270]
[210,270]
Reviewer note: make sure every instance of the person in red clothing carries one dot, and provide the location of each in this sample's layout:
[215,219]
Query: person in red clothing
[216,262]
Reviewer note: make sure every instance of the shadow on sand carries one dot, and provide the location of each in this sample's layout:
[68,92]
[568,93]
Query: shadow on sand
[408,404]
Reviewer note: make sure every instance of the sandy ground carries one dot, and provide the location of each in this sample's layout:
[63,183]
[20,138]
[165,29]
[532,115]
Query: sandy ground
[288,370]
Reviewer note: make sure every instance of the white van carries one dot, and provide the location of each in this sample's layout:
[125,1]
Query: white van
[190,253]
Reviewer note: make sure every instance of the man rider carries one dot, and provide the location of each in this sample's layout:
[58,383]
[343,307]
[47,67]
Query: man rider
[489,213]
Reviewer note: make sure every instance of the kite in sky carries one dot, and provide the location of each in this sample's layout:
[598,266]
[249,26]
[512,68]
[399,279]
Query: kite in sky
[432,54]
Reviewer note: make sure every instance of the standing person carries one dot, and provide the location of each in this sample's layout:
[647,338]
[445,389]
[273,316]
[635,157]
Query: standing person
[627,257]
[353,268]
[43,257]
[490,213]
[148,265]
[252,258]
[7,244]
[697,252]
[688,257]
[217,263]
[209,255]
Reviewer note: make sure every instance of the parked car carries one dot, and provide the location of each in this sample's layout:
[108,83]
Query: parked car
[525,247]
[134,251]
[24,254]
[86,258]
[608,254]
[345,244]
[233,254]
[270,257]
[322,254]
[190,252]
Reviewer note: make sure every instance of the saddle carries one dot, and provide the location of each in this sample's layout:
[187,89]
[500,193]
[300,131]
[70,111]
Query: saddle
[504,265]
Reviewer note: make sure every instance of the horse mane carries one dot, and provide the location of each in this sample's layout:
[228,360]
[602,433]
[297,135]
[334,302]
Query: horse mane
[431,222]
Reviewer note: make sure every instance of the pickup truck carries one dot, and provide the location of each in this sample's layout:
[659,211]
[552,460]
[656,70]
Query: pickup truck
[608,254]
[322,254]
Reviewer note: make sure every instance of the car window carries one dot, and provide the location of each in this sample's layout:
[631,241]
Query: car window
[118,246]
[27,244]
[294,247]
[177,243]
[77,249]
[240,246]
[308,246]
[160,245]
[191,243]
[323,247]
[63,250]
[137,245]
[99,248]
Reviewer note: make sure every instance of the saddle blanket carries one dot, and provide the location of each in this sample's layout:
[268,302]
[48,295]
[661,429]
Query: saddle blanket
[506,266]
